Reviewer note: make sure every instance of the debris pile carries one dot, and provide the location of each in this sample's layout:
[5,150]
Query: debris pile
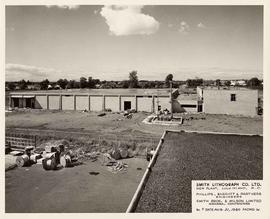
[112,164]
[56,154]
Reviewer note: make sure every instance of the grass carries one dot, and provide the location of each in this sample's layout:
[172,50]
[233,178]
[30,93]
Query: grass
[188,156]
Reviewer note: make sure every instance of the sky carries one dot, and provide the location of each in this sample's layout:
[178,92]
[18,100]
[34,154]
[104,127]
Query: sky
[107,42]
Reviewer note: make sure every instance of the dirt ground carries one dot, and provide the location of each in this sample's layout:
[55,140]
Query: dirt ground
[72,190]
[114,123]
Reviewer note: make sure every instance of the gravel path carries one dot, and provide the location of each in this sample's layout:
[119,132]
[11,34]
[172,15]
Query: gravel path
[187,156]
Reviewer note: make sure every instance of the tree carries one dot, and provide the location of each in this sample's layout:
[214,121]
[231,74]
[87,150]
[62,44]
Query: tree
[71,84]
[124,84]
[218,82]
[11,85]
[168,80]
[133,79]
[194,82]
[62,83]
[83,82]
[228,83]
[22,84]
[44,84]
[254,83]
[92,82]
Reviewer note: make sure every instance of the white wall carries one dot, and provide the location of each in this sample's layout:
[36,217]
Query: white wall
[41,102]
[144,104]
[112,103]
[53,102]
[96,103]
[67,102]
[82,102]
[219,102]
[164,102]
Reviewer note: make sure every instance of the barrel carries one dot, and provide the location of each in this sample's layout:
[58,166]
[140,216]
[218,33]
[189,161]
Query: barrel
[65,161]
[23,160]
[49,163]
[123,153]
[116,154]
[34,157]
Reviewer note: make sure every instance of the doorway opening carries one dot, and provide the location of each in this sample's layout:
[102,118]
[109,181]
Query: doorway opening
[200,108]
[127,105]
[15,102]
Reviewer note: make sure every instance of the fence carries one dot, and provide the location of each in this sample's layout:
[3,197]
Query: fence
[41,136]
[19,141]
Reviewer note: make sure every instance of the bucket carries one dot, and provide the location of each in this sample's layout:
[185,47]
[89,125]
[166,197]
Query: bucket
[23,160]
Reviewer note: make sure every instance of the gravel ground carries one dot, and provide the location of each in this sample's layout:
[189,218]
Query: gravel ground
[187,156]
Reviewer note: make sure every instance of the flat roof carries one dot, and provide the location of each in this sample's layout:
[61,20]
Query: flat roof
[193,156]
[138,92]
[221,88]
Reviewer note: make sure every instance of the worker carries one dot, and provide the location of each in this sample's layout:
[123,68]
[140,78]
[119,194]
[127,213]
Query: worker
[150,154]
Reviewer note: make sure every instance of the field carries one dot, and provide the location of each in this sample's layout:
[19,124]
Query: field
[188,156]
[116,124]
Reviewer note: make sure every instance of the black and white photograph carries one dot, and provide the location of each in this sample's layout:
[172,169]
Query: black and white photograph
[134,108]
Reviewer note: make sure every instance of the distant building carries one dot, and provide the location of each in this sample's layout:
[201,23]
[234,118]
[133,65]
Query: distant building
[212,100]
[234,101]
[147,100]
[33,87]
[238,83]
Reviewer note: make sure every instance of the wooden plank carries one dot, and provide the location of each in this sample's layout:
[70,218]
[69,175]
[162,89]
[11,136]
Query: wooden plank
[16,138]
[17,149]
[20,145]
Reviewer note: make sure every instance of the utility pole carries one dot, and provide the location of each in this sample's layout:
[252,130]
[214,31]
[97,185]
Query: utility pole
[171,100]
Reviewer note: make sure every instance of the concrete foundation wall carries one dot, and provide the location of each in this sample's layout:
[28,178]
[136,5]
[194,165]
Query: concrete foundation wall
[53,102]
[112,103]
[67,103]
[219,102]
[132,99]
[144,104]
[41,102]
[96,103]
[82,102]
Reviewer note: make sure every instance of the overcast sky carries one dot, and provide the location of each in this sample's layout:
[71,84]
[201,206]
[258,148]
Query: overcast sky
[107,42]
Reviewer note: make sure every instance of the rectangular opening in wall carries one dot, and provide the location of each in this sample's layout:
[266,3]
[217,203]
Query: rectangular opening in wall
[15,102]
[188,106]
[199,108]
[28,103]
[127,105]
[233,97]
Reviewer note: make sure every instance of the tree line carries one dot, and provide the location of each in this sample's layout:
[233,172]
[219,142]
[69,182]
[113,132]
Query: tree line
[132,82]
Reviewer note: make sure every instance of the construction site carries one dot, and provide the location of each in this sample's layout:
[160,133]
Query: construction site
[103,144]
[125,108]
